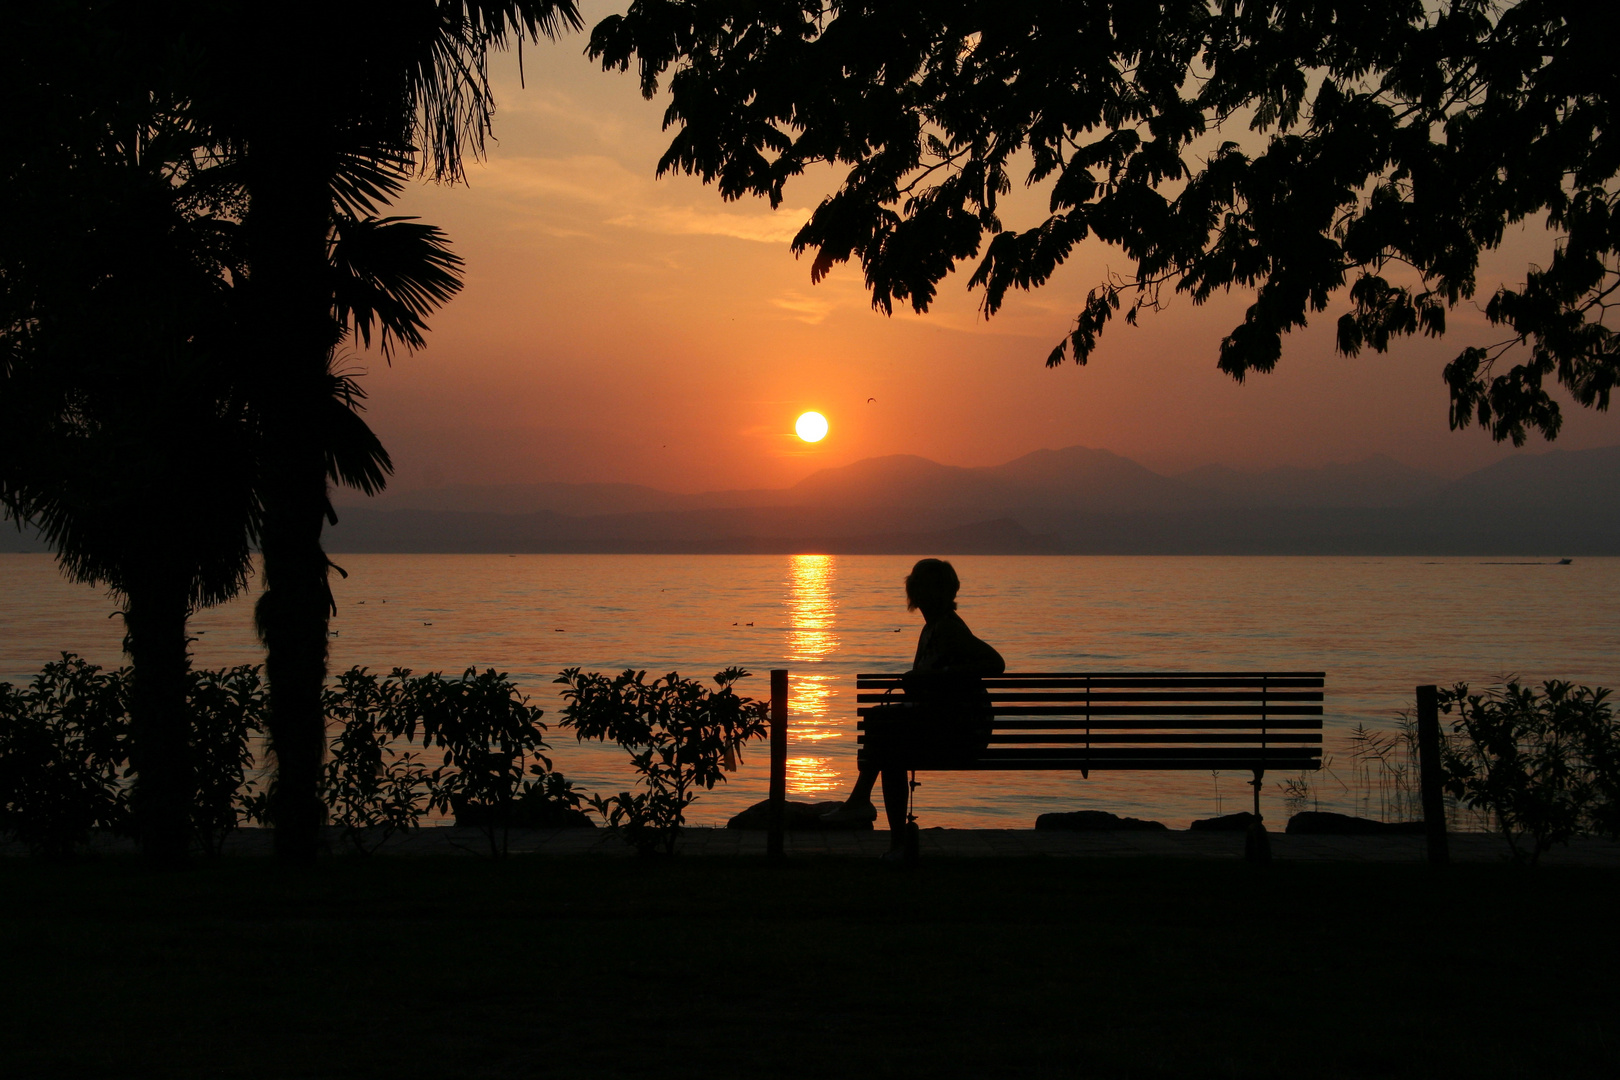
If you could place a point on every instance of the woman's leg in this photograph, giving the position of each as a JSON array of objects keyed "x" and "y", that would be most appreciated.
[
  {"x": 865, "y": 780},
  {"x": 858, "y": 807},
  {"x": 896, "y": 794}
]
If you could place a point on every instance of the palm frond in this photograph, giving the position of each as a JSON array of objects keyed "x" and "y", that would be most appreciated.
[
  {"x": 366, "y": 177},
  {"x": 390, "y": 274},
  {"x": 450, "y": 77},
  {"x": 355, "y": 457}
]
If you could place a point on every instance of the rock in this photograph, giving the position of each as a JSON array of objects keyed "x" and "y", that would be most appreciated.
[
  {"x": 1238, "y": 822},
  {"x": 797, "y": 817},
  {"x": 1322, "y": 823},
  {"x": 1096, "y": 821}
]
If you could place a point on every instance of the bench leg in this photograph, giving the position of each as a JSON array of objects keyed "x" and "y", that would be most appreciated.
[
  {"x": 1257, "y": 845},
  {"x": 913, "y": 838}
]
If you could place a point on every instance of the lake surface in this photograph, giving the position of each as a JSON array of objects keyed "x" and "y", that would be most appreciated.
[{"x": 1377, "y": 626}]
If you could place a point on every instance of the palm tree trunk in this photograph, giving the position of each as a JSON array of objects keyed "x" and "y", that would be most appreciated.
[
  {"x": 287, "y": 222},
  {"x": 160, "y": 737}
]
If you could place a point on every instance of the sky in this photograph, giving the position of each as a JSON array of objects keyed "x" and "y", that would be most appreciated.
[{"x": 619, "y": 327}]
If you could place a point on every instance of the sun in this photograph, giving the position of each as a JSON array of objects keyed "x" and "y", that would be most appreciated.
[{"x": 812, "y": 427}]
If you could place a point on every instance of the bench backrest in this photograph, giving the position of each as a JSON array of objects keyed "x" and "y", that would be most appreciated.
[{"x": 1143, "y": 720}]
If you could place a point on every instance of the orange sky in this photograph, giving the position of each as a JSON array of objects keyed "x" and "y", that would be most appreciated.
[{"x": 617, "y": 327}]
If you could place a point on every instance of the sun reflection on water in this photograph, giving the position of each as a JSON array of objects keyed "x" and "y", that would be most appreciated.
[
  {"x": 812, "y": 775},
  {"x": 812, "y": 640}
]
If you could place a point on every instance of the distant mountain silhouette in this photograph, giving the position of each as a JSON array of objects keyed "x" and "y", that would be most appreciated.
[
  {"x": 1567, "y": 481},
  {"x": 1374, "y": 481},
  {"x": 1072, "y": 500}
]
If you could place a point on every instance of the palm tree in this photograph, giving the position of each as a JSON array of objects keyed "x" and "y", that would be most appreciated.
[
  {"x": 319, "y": 102},
  {"x": 123, "y": 440},
  {"x": 127, "y": 431}
]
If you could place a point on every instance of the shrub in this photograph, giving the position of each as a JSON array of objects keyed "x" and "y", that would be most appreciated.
[
  {"x": 227, "y": 711},
  {"x": 681, "y": 736},
  {"x": 492, "y": 737},
  {"x": 372, "y": 789},
  {"x": 63, "y": 739},
  {"x": 1534, "y": 761}
]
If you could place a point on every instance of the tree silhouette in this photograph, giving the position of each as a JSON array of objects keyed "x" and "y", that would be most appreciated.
[
  {"x": 130, "y": 430},
  {"x": 124, "y": 440},
  {"x": 321, "y": 103},
  {"x": 1294, "y": 148}
]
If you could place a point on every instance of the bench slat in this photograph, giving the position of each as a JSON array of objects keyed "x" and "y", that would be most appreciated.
[
  {"x": 1138, "y": 765},
  {"x": 1148, "y": 753},
  {"x": 1146, "y": 710},
  {"x": 1278, "y": 726},
  {"x": 1080, "y": 724},
  {"x": 1118, "y": 683},
  {"x": 1098, "y": 739},
  {"x": 995, "y": 696},
  {"x": 1250, "y": 676}
]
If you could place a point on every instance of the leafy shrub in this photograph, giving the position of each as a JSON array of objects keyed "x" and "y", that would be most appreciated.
[
  {"x": 493, "y": 739},
  {"x": 1542, "y": 764},
  {"x": 681, "y": 736},
  {"x": 548, "y": 802},
  {"x": 1599, "y": 738},
  {"x": 228, "y": 709},
  {"x": 63, "y": 739},
  {"x": 372, "y": 789}
]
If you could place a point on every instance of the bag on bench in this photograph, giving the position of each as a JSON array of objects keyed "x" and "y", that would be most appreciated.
[{"x": 943, "y": 723}]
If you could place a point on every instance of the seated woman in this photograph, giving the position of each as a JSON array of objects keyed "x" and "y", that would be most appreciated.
[{"x": 946, "y": 714}]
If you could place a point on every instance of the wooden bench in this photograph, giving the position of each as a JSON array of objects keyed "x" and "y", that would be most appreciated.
[{"x": 1129, "y": 721}]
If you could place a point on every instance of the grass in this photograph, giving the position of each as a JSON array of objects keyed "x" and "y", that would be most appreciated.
[{"x": 709, "y": 968}]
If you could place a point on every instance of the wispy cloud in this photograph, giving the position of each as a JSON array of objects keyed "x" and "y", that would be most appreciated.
[
  {"x": 625, "y": 200},
  {"x": 806, "y": 309}
]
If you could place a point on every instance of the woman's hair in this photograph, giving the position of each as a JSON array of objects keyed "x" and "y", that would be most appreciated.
[{"x": 932, "y": 582}]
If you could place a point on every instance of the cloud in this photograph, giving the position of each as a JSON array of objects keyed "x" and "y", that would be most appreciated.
[
  {"x": 626, "y": 200},
  {"x": 806, "y": 309},
  {"x": 778, "y": 228}
]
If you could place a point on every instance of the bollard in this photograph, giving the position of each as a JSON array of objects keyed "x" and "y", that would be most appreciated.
[
  {"x": 777, "y": 813},
  {"x": 1434, "y": 803}
]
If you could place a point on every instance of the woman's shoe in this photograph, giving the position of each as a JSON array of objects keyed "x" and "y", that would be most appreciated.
[{"x": 851, "y": 812}]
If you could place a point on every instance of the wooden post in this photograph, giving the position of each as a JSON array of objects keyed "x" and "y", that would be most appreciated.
[
  {"x": 1434, "y": 803},
  {"x": 778, "y": 796}
]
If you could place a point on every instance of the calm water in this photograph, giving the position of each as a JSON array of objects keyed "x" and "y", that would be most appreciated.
[{"x": 1378, "y": 627}]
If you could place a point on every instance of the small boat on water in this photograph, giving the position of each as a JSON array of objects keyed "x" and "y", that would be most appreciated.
[{"x": 1565, "y": 562}]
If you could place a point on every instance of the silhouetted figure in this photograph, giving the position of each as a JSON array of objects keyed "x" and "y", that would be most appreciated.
[{"x": 945, "y": 716}]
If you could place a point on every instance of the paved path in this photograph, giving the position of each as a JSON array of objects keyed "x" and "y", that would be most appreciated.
[
  {"x": 947, "y": 843},
  {"x": 989, "y": 843}
]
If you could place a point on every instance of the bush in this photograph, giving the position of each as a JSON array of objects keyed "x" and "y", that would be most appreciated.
[
  {"x": 1542, "y": 764},
  {"x": 681, "y": 736},
  {"x": 492, "y": 737},
  {"x": 373, "y": 790},
  {"x": 549, "y": 802},
  {"x": 63, "y": 739},
  {"x": 228, "y": 709}
]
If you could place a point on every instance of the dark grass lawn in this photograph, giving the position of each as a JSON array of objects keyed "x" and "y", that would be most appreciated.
[{"x": 455, "y": 967}]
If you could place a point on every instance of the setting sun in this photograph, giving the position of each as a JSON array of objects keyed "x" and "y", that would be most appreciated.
[{"x": 812, "y": 427}]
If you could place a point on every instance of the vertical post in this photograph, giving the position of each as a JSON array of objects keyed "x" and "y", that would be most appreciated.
[
  {"x": 778, "y": 809},
  {"x": 1434, "y": 803},
  {"x": 1256, "y": 844}
]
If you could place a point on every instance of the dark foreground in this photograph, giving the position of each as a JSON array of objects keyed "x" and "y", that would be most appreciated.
[{"x": 590, "y": 967}]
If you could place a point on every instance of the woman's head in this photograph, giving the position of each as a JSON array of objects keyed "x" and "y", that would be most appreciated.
[{"x": 932, "y": 585}]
